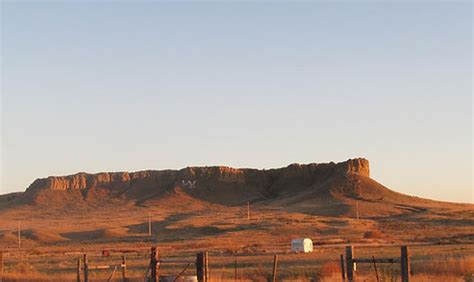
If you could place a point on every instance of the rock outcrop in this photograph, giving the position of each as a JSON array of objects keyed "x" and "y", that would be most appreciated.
[
  {"x": 356, "y": 166},
  {"x": 217, "y": 184}
]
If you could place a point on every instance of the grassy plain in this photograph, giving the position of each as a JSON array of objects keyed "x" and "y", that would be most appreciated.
[{"x": 440, "y": 239}]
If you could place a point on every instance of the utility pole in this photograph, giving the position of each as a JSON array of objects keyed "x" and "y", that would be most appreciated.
[
  {"x": 19, "y": 234},
  {"x": 248, "y": 210},
  {"x": 357, "y": 210},
  {"x": 149, "y": 224}
]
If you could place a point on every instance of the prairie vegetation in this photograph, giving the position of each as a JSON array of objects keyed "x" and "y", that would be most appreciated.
[{"x": 428, "y": 263}]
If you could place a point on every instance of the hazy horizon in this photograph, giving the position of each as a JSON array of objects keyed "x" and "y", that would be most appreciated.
[{"x": 114, "y": 86}]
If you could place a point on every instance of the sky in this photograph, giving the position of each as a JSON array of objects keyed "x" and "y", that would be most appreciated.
[{"x": 120, "y": 86}]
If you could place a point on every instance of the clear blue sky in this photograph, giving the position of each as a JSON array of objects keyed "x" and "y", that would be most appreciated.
[{"x": 116, "y": 86}]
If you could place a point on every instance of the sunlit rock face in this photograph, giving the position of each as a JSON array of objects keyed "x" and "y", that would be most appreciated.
[{"x": 216, "y": 182}]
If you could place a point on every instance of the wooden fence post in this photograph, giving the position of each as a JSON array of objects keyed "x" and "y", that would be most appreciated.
[
  {"x": 1, "y": 266},
  {"x": 405, "y": 264},
  {"x": 78, "y": 270},
  {"x": 153, "y": 263},
  {"x": 343, "y": 272},
  {"x": 275, "y": 267},
  {"x": 200, "y": 266},
  {"x": 124, "y": 268},
  {"x": 206, "y": 266},
  {"x": 86, "y": 269},
  {"x": 350, "y": 263}
]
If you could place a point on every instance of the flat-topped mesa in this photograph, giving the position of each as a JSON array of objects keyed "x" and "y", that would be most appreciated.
[{"x": 218, "y": 174}]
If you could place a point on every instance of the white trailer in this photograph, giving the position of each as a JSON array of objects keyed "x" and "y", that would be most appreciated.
[{"x": 303, "y": 245}]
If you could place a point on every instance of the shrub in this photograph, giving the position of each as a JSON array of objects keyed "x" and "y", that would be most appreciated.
[{"x": 373, "y": 234}]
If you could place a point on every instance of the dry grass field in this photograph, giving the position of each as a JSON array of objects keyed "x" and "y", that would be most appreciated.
[
  {"x": 49, "y": 249},
  {"x": 429, "y": 263}
]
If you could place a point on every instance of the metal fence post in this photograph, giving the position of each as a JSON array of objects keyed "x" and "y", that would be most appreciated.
[
  {"x": 275, "y": 267},
  {"x": 350, "y": 263},
  {"x": 343, "y": 272}
]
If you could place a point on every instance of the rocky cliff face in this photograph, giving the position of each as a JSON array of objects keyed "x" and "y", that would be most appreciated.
[
  {"x": 356, "y": 166},
  {"x": 82, "y": 181},
  {"x": 215, "y": 181}
]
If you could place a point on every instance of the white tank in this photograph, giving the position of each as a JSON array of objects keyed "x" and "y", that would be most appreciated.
[{"x": 303, "y": 245}]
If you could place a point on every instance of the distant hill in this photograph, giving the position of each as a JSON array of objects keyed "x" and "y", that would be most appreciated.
[{"x": 325, "y": 189}]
